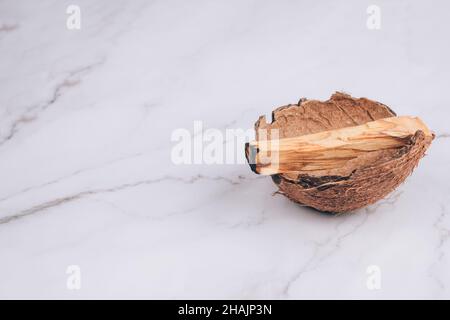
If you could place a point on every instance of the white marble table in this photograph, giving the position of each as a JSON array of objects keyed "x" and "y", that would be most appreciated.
[{"x": 85, "y": 150}]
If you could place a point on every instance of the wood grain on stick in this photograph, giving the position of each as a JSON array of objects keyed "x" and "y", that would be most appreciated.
[{"x": 331, "y": 149}]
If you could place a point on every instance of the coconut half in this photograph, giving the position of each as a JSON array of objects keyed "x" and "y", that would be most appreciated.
[{"x": 356, "y": 183}]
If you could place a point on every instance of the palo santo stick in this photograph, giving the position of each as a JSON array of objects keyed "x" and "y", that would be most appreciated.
[{"x": 331, "y": 149}]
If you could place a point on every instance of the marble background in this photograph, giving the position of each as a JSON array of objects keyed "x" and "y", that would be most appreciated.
[{"x": 86, "y": 118}]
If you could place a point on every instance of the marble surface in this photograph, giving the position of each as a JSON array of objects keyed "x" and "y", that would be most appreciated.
[{"x": 85, "y": 149}]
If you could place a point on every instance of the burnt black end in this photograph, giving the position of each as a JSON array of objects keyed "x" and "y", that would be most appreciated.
[{"x": 250, "y": 154}]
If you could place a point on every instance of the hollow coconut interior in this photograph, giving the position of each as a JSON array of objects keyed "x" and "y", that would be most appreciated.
[{"x": 313, "y": 116}]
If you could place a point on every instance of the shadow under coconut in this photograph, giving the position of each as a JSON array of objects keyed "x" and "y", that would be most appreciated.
[{"x": 327, "y": 214}]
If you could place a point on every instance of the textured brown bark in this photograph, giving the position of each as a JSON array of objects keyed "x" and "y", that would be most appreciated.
[{"x": 358, "y": 182}]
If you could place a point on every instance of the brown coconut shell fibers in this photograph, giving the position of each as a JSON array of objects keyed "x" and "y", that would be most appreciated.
[{"x": 361, "y": 181}]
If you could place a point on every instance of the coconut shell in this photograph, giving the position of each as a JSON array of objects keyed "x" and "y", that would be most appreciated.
[{"x": 361, "y": 181}]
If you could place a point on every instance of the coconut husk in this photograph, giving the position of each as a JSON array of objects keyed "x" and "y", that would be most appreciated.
[{"x": 358, "y": 182}]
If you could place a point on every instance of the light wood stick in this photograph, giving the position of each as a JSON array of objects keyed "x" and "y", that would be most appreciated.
[{"x": 331, "y": 149}]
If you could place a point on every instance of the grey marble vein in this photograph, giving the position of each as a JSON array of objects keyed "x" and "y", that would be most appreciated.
[
  {"x": 63, "y": 200},
  {"x": 72, "y": 79}
]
